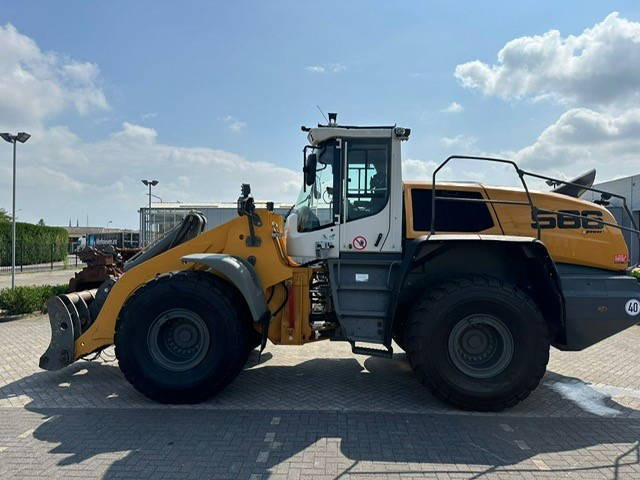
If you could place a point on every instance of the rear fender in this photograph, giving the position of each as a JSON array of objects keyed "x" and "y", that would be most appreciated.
[{"x": 449, "y": 255}]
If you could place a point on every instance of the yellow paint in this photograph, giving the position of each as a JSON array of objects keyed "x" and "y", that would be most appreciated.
[
  {"x": 291, "y": 324},
  {"x": 591, "y": 248},
  {"x": 230, "y": 238}
]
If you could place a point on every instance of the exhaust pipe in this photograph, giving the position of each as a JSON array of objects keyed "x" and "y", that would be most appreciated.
[{"x": 69, "y": 316}]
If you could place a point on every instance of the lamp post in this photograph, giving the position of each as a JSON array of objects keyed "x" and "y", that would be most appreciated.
[
  {"x": 20, "y": 137},
  {"x": 149, "y": 183}
]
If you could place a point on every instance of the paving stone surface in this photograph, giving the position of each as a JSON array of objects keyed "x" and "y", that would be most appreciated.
[{"x": 316, "y": 412}]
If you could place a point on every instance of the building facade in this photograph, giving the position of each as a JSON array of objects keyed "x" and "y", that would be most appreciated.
[
  {"x": 162, "y": 217},
  {"x": 96, "y": 236},
  {"x": 629, "y": 188}
]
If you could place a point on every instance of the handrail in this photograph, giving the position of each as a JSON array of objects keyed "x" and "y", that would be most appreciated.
[
  {"x": 534, "y": 209},
  {"x": 487, "y": 159}
]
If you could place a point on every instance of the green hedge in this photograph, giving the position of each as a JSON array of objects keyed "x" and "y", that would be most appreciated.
[
  {"x": 28, "y": 299},
  {"x": 35, "y": 244}
]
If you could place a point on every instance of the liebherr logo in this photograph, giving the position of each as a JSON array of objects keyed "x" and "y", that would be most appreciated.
[{"x": 558, "y": 220}]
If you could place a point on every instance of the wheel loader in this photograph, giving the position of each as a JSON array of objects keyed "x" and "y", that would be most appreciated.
[{"x": 473, "y": 282}]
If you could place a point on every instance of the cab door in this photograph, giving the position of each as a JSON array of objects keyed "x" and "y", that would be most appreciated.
[{"x": 367, "y": 213}]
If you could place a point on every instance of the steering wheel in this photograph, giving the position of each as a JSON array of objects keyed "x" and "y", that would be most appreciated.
[{"x": 327, "y": 197}]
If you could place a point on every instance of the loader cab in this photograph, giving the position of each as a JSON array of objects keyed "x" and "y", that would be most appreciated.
[{"x": 351, "y": 198}]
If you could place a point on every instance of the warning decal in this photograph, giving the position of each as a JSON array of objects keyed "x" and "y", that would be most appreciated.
[{"x": 359, "y": 243}]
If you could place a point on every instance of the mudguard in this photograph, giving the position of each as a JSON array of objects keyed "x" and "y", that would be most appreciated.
[{"x": 241, "y": 274}]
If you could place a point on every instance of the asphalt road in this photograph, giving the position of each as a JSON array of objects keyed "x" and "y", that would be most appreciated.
[{"x": 315, "y": 412}]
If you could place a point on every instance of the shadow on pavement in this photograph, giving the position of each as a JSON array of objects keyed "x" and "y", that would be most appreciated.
[{"x": 230, "y": 438}]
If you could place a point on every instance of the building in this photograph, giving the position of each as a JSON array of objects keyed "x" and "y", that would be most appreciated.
[
  {"x": 162, "y": 217},
  {"x": 629, "y": 188},
  {"x": 95, "y": 236}
]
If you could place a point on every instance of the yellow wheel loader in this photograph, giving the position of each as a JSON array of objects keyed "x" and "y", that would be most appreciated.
[{"x": 473, "y": 282}]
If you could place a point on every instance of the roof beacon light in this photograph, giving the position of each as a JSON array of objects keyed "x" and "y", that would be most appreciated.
[{"x": 333, "y": 118}]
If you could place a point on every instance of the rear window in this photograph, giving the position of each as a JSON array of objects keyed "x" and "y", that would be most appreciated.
[{"x": 451, "y": 215}]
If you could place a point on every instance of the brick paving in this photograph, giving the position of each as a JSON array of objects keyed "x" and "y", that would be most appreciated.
[{"x": 316, "y": 412}]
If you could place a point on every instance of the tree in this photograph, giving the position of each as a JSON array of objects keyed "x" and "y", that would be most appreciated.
[
  {"x": 41, "y": 222},
  {"x": 4, "y": 216}
]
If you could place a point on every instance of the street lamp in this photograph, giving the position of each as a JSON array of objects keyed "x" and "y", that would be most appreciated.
[
  {"x": 149, "y": 183},
  {"x": 20, "y": 137}
]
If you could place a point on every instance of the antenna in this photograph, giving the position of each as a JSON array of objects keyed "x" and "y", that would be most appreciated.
[{"x": 325, "y": 117}]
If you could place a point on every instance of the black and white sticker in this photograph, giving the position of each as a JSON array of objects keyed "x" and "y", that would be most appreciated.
[{"x": 632, "y": 307}]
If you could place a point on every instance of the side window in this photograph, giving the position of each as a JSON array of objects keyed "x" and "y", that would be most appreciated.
[
  {"x": 451, "y": 215},
  {"x": 367, "y": 179}
]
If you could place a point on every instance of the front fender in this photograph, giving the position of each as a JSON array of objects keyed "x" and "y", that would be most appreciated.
[{"x": 240, "y": 273}]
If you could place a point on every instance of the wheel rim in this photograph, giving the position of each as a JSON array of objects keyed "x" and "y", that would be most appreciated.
[
  {"x": 178, "y": 340},
  {"x": 481, "y": 346}
]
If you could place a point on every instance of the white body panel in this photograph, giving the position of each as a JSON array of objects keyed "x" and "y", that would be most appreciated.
[
  {"x": 358, "y": 235},
  {"x": 303, "y": 244},
  {"x": 387, "y": 222}
]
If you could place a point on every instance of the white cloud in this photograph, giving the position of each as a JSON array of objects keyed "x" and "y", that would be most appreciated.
[
  {"x": 35, "y": 85},
  {"x": 596, "y": 73},
  {"x": 598, "y": 67},
  {"x": 414, "y": 169},
  {"x": 329, "y": 68},
  {"x": 60, "y": 175},
  {"x": 461, "y": 170},
  {"x": 582, "y": 138},
  {"x": 453, "y": 107},
  {"x": 136, "y": 134},
  {"x": 149, "y": 115},
  {"x": 234, "y": 124},
  {"x": 459, "y": 141}
]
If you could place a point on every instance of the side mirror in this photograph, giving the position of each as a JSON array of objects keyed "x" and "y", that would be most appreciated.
[{"x": 310, "y": 165}]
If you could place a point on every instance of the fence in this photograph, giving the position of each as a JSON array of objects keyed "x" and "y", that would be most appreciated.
[{"x": 32, "y": 256}]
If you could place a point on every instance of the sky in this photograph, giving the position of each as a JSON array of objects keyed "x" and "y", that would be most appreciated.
[{"x": 204, "y": 96}]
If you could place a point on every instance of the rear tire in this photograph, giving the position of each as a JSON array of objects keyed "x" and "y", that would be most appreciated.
[
  {"x": 179, "y": 338},
  {"x": 478, "y": 343}
]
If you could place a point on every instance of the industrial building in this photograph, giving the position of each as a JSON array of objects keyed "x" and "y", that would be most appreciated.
[
  {"x": 162, "y": 217},
  {"x": 629, "y": 188},
  {"x": 95, "y": 236}
]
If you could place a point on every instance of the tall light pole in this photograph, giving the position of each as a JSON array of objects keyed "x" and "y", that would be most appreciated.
[
  {"x": 20, "y": 137},
  {"x": 149, "y": 183}
]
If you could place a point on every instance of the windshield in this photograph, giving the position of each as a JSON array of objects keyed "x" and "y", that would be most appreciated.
[{"x": 314, "y": 206}]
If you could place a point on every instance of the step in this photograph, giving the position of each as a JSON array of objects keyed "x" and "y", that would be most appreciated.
[
  {"x": 374, "y": 352},
  {"x": 362, "y": 313},
  {"x": 363, "y": 288}
]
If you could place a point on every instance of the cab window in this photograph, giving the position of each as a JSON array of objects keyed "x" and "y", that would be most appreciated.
[
  {"x": 367, "y": 182},
  {"x": 451, "y": 215},
  {"x": 315, "y": 206}
]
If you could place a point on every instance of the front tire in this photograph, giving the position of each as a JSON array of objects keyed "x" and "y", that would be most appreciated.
[
  {"x": 179, "y": 338},
  {"x": 479, "y": 343}
]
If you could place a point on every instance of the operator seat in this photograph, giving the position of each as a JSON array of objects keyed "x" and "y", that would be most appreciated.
[
  {"x": 192, "y": 225},
  {"x": 378, "y": 185}
]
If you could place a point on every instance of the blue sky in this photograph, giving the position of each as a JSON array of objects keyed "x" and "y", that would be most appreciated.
[{"x": 218, "y": 84}]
